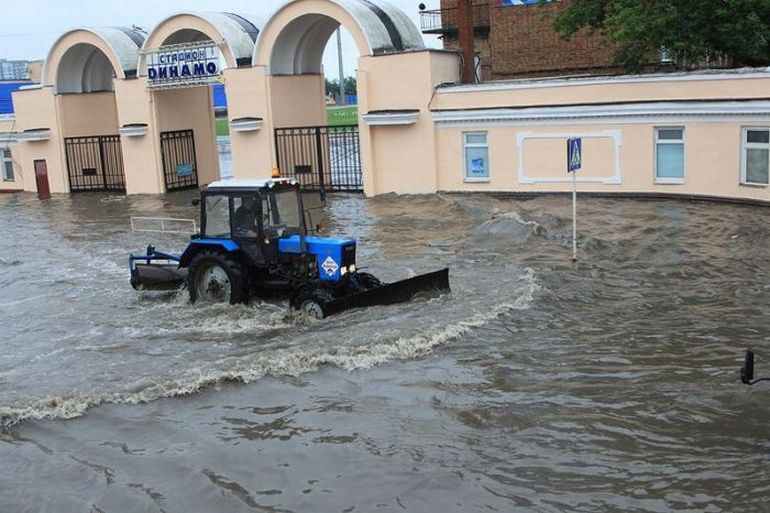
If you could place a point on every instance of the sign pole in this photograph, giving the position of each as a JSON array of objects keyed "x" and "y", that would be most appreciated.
[
  {"x": 574, "y": 162},
  {"x": 574, "y": 216}
]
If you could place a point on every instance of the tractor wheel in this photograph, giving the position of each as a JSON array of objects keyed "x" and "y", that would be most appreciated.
[
  {"x": 217, "y": 278},
  {"x": 311, "y": 305}
]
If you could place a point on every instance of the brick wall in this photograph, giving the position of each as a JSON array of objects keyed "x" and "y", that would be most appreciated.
[{"x": 522, "y": 43}]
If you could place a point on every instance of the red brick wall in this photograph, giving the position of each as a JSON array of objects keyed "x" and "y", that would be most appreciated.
[{"x": 522, "y": 43}]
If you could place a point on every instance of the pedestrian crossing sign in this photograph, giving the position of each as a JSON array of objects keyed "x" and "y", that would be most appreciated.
[{"x": 574, "y": 154}]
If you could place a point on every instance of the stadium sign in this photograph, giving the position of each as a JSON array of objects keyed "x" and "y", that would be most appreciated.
[{"x": 188, "y": 65}]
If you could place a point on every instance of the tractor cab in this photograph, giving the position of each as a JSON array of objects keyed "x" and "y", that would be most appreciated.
[{"x": 255, "y": 214}]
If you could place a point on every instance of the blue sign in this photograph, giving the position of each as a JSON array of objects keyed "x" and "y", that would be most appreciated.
[
  {"x": 574, "y": 154},
  {"x": 478, "y": 167},
  {"x": 183, "y": 170}
]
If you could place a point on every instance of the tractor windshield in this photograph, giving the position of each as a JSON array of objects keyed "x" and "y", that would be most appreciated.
[{"x": 281, "y": 214}]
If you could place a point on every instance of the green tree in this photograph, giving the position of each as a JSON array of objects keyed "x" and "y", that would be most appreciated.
[
  {"x": 333, "y": 86},
  {"x": 693, "y": 32}
]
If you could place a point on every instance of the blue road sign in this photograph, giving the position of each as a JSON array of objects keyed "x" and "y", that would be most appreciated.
[{"x": 574, "y": 154}]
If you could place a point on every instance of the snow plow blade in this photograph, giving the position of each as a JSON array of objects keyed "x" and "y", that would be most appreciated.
[{"x": 402, "y": 291}]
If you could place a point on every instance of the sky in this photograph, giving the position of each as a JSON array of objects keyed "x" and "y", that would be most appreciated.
[{"x": 28, "y": 28}]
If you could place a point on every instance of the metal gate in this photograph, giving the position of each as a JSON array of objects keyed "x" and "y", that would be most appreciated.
[
  {"x": 321, "y": 157},
  {"x": 180, "y": 169},
  {"x": 95, "y": 163}
]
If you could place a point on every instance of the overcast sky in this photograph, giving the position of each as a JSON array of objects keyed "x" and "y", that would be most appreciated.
[{"x": 28, "y": 28}]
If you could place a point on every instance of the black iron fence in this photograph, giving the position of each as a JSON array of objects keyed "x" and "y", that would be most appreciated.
[
  {"x": 321, "y": 157},
  {"x": 95, "y": 163},
  {"x": 180, "y": 169}
]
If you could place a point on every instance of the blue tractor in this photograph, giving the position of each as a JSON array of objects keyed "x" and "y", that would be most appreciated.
[{"x": 254, "y": 241}]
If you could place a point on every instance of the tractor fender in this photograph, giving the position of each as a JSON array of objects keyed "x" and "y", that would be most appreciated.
[{"x": 224, "y": 245}]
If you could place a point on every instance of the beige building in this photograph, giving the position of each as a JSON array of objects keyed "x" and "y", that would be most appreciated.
[{"x": 127, "y": 111}]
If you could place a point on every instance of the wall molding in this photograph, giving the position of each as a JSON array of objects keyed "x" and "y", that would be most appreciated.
[
  {"x": 602, "y": 114},
  {"x": 543, "y": 83},
  {"x": 614, "y": 135}
]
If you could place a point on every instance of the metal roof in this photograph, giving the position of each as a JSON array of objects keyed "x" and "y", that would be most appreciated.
[{"x": 249, "y": 183}]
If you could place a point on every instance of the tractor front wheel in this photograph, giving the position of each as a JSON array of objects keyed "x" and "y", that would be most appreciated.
[
  {"x": 215, "y": 277},
  {"x": 311, "y": 304}
]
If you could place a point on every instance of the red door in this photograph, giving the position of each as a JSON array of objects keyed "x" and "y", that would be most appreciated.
[{"x": 41, "y": 177}]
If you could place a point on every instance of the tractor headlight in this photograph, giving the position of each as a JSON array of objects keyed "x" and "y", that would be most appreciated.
[
  {"x": 352, "y": 268},
  {"x": 343, "y": 271}
]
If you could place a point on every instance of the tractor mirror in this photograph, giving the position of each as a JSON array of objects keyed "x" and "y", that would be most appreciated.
[
  {"x": 747, "y": 371},
  {"x": 196, "y": 201}
]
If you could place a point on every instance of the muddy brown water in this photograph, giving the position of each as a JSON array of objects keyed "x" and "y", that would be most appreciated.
[{"x": 536, "y": 385}]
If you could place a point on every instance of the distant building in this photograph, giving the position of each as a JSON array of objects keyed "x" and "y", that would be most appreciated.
[
  {"x": 13, "y": 70},
  {"x": 516, "y": 39}
]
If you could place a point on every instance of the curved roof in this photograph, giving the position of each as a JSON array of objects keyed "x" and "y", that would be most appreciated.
[
  {"x": 237, "y": 31},
  {"x": 120, "y": 44},
  {"x": 298, "y": 45}
]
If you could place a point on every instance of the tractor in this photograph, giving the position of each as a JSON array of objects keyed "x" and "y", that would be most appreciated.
[{"x": 254, "y": 241}]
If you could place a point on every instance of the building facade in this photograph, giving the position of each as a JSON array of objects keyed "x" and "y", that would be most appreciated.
[
  {"x": 14, "y": 70},
  {"x": 132, "y": 112}
]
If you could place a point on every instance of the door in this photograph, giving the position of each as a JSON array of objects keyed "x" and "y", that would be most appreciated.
[
  {"x": 180, "y": 169},
  {"x": 321, "y": 157},
  {"x": 95, "y": 163},
  {"x": 41, "y": 178}
]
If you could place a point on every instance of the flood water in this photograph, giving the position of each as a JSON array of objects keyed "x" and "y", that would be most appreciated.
[{"x": 536, "y": 385}]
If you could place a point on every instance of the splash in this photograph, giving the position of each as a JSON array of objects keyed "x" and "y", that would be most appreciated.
[{"x": 293, "y": 361}]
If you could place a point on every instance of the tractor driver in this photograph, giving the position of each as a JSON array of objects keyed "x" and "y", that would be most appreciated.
[{"x": 245, "y": 217}]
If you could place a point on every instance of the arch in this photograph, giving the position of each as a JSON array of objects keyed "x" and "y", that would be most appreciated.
[
  {"x": 86, "y": 60},
  {"x": 236, "y": 33},
  {"x": 294, "y": 38}
]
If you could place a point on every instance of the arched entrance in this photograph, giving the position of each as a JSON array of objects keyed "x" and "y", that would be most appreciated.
[
  {"x": 82, "y": 67},
  {"x": 290, "y": 49},
  {"x": 183, "y": 58}
]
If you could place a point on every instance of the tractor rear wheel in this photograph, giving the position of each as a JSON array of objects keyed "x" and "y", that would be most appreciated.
[{"x": 215, "y": 277}]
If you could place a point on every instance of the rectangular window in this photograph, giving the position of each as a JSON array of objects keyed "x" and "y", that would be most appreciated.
[
  {"x": 669, "y": 155},
  {"x": 755, "y": 156},
  {"x": 217, "y": 216},
  {"x": 476, "y": 156},
  {"x": 7, "y": 166}
]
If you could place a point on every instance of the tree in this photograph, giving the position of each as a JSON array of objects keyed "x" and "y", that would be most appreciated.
[
  {"x": 333, "y": 86},
  {"x": 693, "y": 32}
]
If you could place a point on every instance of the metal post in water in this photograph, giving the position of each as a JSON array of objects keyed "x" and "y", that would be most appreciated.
[
  {"x": 574, "y": 162},
  {"x": 574, "y": 216}
]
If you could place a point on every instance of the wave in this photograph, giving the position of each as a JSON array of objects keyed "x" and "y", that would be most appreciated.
[{"x": 283, "y": 362}]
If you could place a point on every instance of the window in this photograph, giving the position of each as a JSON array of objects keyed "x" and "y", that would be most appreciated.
[
  {"x": 669, "y": 155},
  {"x": 755, "y": 156},
  {"x": 476, "y": 154},
  {"x": 217, "y": 216},
  {"x": 7, "y": 166}
]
